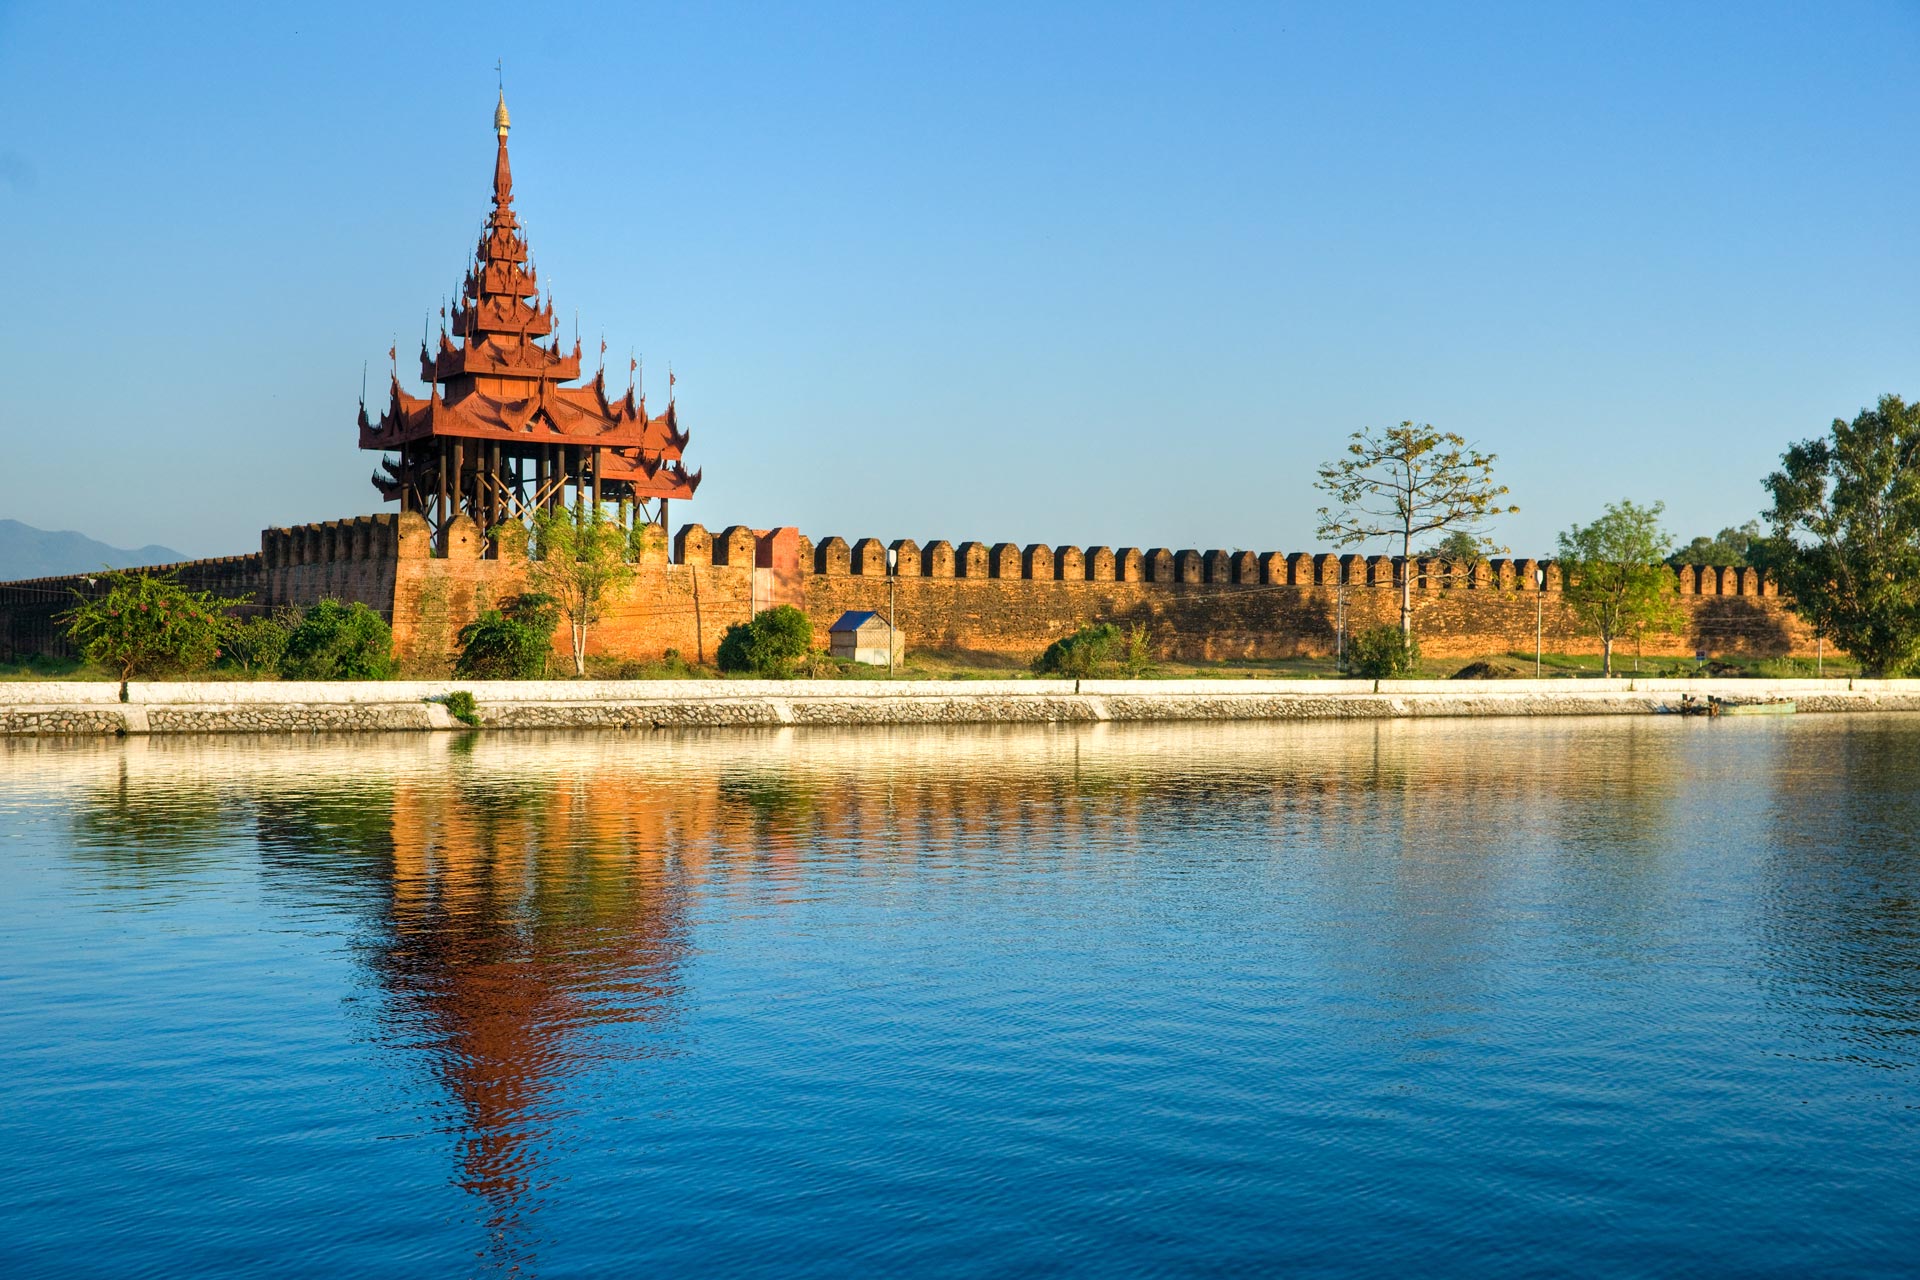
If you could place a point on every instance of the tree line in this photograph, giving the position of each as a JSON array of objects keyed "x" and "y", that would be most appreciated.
[{"x": 1841, "y": 537}]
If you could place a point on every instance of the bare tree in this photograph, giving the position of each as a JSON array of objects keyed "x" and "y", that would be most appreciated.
[{"x": 1410, "y": 482}]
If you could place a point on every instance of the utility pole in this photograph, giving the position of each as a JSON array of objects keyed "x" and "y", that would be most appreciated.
[
  {"x": 893, "y": 559},
  {"x": 1539, "y": 615}
]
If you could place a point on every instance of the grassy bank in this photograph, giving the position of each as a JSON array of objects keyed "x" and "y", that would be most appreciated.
[{"x": 977, "y": 665}]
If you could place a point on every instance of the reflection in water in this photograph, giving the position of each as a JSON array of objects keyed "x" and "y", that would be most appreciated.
[
  {"x": 517, "y": 914},
  {"x": 1354, "y": 921}
]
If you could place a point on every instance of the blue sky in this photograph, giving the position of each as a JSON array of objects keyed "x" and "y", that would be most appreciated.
[{"x": 1115, "y": 274}]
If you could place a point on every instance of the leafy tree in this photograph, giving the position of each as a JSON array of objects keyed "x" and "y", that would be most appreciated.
[
  {"x": 769, "y": 645},
  {"x": 1459, "y": 547},
  {"x": 578, "y": 558},
  {"x": 1382, "y": 653},
  {"x": 255, "y": 644},
  {"x": 147, "y": 624},
  {"x": 1613, "y": 578},
  {"x": 510, "y": 643},
  {"x": 1410, "y": 482},
  {"x": 1079, "y": 655},
  {"x": 1728, "y": 548},
  {"x": 335, "y": 640},
  {"x": 1845, "y": 544}
]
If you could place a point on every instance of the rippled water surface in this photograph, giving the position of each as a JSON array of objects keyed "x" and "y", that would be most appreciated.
[{"x": 1479, "y": 999}]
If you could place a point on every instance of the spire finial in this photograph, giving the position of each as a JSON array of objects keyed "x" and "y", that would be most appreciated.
[{"x": 501, "y": 122}]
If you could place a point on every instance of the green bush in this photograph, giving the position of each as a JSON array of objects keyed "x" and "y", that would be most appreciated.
[
  {"x": 147, "y": 624},
  {"x": 1382, "y": 653},
  {"x": 1136, "y": 659},
  {"x": 510, "y": 643},
  {"x": 256, "y": 644},
  {"x": 1079, "y": 655},
  {"x": 338, "y": 641},
  {"x": 768, "y": 646},
  {"x": 461, "y": 707}
]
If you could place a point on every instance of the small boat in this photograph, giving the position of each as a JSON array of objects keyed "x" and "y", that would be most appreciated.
[{"x": 1750, "y": 706}]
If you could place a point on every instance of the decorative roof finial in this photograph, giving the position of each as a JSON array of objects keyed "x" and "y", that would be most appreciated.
[{"x": 501, "y": 123}]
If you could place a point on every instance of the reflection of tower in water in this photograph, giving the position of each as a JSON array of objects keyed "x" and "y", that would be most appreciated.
[{"x": 522, "y": 923}]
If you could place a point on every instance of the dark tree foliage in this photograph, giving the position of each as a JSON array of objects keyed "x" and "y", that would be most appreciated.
[
  {"x": 509, "y": 643},
  {"x": 768, "y": 646},
  {"x": 1079, "y": 655},
  {"x": 1845, "y": 543},
  {"x": 338, "y": 641},
  {"x": 1382, "y": 653},
  {"x": 1726, "y": 549}
]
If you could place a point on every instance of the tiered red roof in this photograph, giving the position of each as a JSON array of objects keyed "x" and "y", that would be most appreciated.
[{"x": 492, "y": 380}]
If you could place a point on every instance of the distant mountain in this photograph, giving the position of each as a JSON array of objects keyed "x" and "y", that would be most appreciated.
[{"x": 27, "y": 552}]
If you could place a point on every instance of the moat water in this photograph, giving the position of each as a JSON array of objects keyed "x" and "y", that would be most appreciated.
[{"x": 1499, "y": 998}]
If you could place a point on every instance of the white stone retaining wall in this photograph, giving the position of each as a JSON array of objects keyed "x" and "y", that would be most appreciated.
[{"x": 90, "y": 708}]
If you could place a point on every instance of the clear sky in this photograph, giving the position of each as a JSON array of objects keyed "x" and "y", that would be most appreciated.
[{"x": 1095, "y": 273}]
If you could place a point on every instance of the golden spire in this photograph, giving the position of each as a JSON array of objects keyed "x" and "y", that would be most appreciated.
[{"x": 500, "y": 121}]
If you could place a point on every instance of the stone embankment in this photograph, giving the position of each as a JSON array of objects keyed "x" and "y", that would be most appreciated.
[{"x": 74, "y": 708}]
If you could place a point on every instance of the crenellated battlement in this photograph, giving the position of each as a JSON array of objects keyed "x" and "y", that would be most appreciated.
[{"x": 1038, "y": 562}]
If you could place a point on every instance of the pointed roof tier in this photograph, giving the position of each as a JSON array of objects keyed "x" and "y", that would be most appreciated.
[{"x": 497, "y": 374}]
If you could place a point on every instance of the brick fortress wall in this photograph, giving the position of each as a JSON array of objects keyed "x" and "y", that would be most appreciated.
[
  {"x": 1006, "y": 598},
  {"x": 999, "y": 598}
]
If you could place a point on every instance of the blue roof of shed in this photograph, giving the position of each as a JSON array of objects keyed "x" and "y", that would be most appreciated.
[{"x": 854, "y": 619}]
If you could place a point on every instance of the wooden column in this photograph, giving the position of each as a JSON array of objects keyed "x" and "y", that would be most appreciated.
[
  {"x": 459, "y": 476},
  {"x": 596, "y": 481}
]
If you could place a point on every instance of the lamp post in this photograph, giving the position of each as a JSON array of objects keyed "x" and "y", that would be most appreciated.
[
  {"x": 893, "y": 559},
  {"x": 1539, "y": 614}
]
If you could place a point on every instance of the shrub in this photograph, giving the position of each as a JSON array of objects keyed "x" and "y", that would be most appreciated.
[
  {"x": 147, "y": 624},
  {"x": 1137, "y": 659},
  {"x": 338, "y": 641},
  {"x": 769, "y": 645},
  {"x": 510, "y": 643},
  {"x": 1382, "y": 653},
  {"x": 461, "y": 707},
  {"x": 1077, "y": 656},
  {"x": 256, "y": 644}
]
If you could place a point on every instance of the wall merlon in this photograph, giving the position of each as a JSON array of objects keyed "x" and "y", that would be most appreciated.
[
  {"x": 736, "y": 546},
  {"x": 832, "y": 556},
  {"x": 868, "y": 558},
  {"x": 693, "y": 545},
  {"x": 938, "y": 560},
  {"x": 1069, "y": 564}
]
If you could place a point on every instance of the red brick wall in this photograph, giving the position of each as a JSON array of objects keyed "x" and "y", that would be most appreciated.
[{"x": 996, "y": 597}]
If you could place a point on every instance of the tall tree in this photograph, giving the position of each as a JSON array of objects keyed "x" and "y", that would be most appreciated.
[
  {"x": 147, "y": 624},
  {"x": 1728, "y": 548},
  {"x": 1613, "y": 577},
  {"x": 577, "y": 556},
  {"x": 1410, "y": 482},
  {"x": 1845, "y": 544}
]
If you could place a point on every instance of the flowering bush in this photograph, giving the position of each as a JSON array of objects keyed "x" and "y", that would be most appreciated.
[{"x": 148, "y": 625}]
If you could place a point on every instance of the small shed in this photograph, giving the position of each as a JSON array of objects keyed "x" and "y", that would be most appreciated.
[{"x": 863, "y": 635}]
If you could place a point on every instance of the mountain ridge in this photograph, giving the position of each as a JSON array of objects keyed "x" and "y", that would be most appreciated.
[{"x": 27, "y": 552}]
